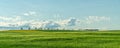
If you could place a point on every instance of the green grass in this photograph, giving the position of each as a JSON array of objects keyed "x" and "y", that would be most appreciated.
[{"x": 59, "y": 39}]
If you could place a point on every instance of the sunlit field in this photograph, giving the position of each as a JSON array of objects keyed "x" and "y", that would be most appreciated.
[{"x": 59, "y": 39}]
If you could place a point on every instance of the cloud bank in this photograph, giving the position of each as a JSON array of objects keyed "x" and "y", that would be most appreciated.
[{"x": 71, "y": 22}]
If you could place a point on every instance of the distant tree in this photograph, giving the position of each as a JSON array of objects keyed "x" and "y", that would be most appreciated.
[
  {"x": 29, "y": 28},
  {"x": 63, "y": 28},
  {"x": 35, "y": 28},
  {"x": 21, "y": 28},
  {"x": 57, "y": 29},
  {"x": 40, "y": 28},
  {"x": 47, "y": 28}
]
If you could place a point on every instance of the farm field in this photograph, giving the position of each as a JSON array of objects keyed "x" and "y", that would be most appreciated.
[{"x": 59, "y": 39}]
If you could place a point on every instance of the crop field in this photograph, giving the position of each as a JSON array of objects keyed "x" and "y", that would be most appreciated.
[{"x": 59, "y": 39}]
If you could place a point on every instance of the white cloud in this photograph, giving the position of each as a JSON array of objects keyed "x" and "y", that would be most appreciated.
[
  {"x": 68, "y": 22},
  {"x": 50, "y": 24},
  {"x": 93, "y": 19},
  {"x": 26, "y": 14},
  {"x": 5, "y": 18},
  {"x": 4, "y": 24},
  {"x": 9, "y": 21},
  {"x": 38, "y": 24},
  {"x": 30, "y": 13},
  {"x": 16, "y": 18}
]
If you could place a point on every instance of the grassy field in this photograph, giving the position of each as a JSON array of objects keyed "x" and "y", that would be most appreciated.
[{"x": 59, "y": 39}]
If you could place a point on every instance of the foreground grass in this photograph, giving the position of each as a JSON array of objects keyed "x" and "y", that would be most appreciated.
[{"x": 59, "y": 39}]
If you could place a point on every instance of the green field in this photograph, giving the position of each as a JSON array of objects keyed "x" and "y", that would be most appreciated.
[{"x": 59, "y": 39}]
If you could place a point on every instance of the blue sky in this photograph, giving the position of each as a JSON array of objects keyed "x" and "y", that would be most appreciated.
[{"x": 106, "y": 12}]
